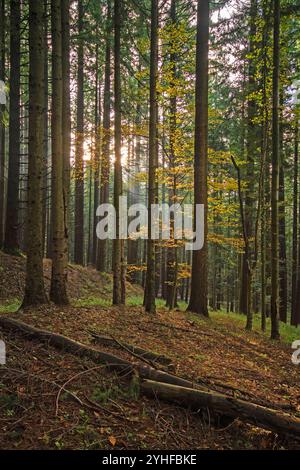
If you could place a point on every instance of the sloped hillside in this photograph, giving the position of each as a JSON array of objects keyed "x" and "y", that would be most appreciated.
[{"x": 83, "y": 282}]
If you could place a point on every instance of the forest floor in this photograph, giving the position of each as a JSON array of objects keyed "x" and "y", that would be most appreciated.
[{"x": 38, "y": 410}]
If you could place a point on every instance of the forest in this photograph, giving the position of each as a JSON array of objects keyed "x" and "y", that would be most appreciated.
[{"x": 149, "y": 224}]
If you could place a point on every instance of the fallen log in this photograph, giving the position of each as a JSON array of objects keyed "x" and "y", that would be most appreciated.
[
  {"x": 146, "y": 372},
  {"x": 143, "y": 353},
  {"x": 257, "y": 415},
  {"x": 64, "y": 343},
  {"x": 168, "y": 387},
  {"x": 111, "y": 361}
]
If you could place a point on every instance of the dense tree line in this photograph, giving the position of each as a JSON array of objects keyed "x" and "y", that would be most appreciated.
[{"x": 164, "y": 102}]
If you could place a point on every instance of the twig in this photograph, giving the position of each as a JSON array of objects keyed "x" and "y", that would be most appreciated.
[
  {"x": 70, "y": 380},
  {"x": 51, "y": 382},
  {"x": 150, "y": 363}
]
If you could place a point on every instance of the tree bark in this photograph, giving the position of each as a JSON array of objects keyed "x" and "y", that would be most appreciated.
[
  {"x": 46, "y": 129},
  {"x": 66, "y": 115},
  {"x": 282, "y": 250},
  {"x": 96, "y": 163},
  {"x": 295, "y": 312},
  {"x": 263, "y": 156},
  {"x": 275, "y": 179},
  {"x": 199, "y": 289},
  {"x": 149, "y": 299},
  {"x": 172, "y": 253},
  {"x": 58, "y": 292},
  {"x": 79, "y": 164},
  {"x": 2, "y": 126},
  {"x": 134, "y": 246},
  {"x": 34, "y": 286},
  {"x": 252, "y": 144},
  {"x": 11, "y": 241},
  {"x": 102, "y": 258},
  {"x": 117, "y": 242},
  {"x": 249, "y": 412},
  {"x": 295, "y": 320}
]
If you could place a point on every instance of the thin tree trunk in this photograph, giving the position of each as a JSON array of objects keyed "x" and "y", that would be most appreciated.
[
  {"x": 58, "y": 292},
  {"x": 102, "y": 258},
  {"x": 263, "y": 259},
  {"x": 282, "y": 249},
  {"x": 275, "y": 179},
  {"x": 252, "y": 144},
  {"x": 172, "y": 257},
  {"x": 11, "y": 241},
  {"x": 133, "y": 246},
  {"x": 295, "y": 320},
  {"x": 117, "y": 242},
  {"x": 264, "y": 149},
  {"x": 66, "y": 114},
  {"x": 295, "y": 265},
  {"x": 79, "y": 164},
  {"x": 89, "y": 179},
  {"x": 149, "y": 300},
  {"x": 96, "y": 159}
]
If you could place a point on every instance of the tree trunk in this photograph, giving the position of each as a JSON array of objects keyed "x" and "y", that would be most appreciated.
[
  {"x": 102, "y": 258},
  {"x": 172, "y": 254},
  {"x": 275, "y": 179},
  {"x": 2, "y": 126},
  {"x": 198, "y": 299},
  {"x": 295, "y": 320},
  {"x": 295, "y": 265},
  {"x": 58, "y": 292},
  {"x": 96, "y": 161},
  {"x": 263, "y": 157},
  {"x": 133, "y": 246},
  {"x": 149, "y": 299},
  {"x": 117, "y": 242},
  {"x": 66, "y": 114},
  {"x": 79, "y": 164},
  {"x": 263, "y": 259},
  {"x": 282, "y": 250},
  {"x": 46, "y": 125},
  {"x": 11, "y": 241},
  {"x": 252, "y": 144},
  {"x": 34, "y": 287}
]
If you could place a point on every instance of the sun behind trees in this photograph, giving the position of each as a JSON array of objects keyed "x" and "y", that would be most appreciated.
[{"x": 167, "y": 103}]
